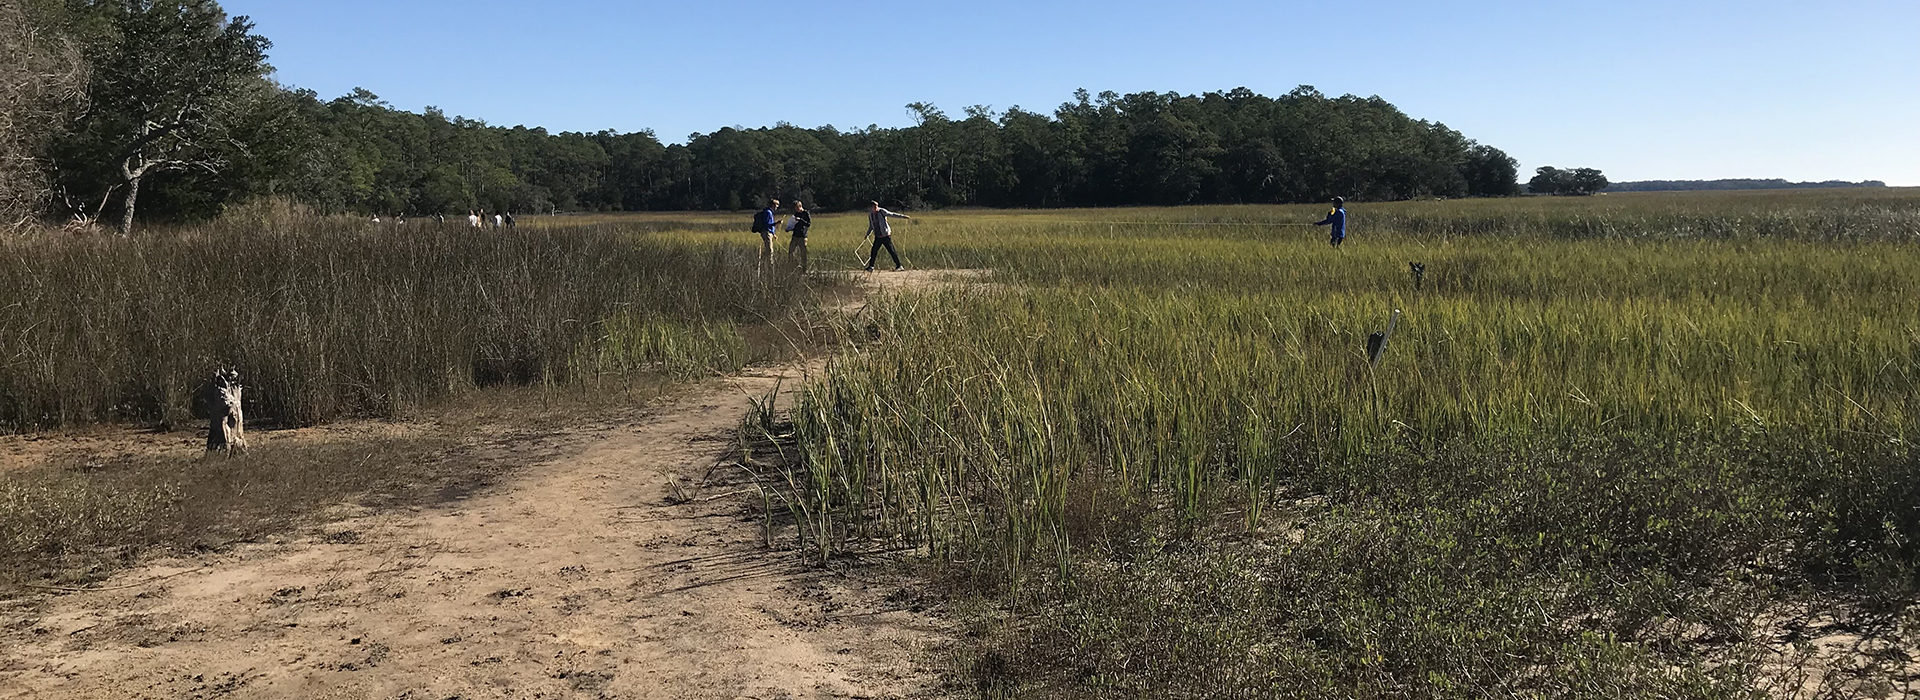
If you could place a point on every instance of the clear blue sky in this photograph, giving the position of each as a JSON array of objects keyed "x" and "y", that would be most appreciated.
[{"x": 1680, "y": 89}]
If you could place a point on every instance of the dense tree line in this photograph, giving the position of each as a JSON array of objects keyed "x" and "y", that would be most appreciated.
[
  {"x": 1577, "y": 181},
  {"x": 184, "y": 121},
  {"x": 1735, "y": 184}
]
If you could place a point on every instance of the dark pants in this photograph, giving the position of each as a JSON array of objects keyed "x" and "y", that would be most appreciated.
[
  {"x": 873, "y": 256},
  {"x": 797, "y": 252}
]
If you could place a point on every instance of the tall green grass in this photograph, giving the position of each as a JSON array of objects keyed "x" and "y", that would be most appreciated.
[
  {"x": 332, "y": 317},
  {"x": 1588, "y": 465}
]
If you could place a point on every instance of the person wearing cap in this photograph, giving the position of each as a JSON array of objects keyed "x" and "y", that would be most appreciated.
[{"x": 1338, "y": 220}]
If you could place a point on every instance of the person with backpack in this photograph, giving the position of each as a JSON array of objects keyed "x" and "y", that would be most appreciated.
[
  {"x": 882, "y": 235},
  {"x": 1338, "y": 220},
  {"x": 764, "y": 224},
  {"x": 797, "y": 224}
]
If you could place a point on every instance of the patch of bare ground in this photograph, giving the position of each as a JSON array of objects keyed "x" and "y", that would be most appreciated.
[
  {"x": 1840, "y": 651},
  {"x": 600, "y": 568},
  {"x": 585, "y": 548},
  {"x": 105, "y": 445}
]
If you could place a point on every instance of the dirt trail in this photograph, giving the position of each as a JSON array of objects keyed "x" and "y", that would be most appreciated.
[{"x": 584, "y": 576}]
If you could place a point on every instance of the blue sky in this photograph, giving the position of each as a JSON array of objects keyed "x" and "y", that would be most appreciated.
[{"x": 1682, "y": 89}]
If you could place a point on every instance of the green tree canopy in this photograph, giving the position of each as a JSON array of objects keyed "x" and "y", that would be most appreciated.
[
  {"x": 1579, "y": 181},
  {"x": 179, "y": 89},
  {"x": 170, "y": 78}
]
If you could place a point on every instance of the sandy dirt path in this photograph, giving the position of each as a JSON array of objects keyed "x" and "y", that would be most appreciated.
[{"x": 585, "y": 575}]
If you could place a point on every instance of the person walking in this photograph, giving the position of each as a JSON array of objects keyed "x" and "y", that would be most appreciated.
[
  {"x": 1338, "y": 220},
  {"x": 882, "y": 235},
  {"x": 509, "y": 217},
  {"x": 473, "y": 218},
  {"x": 764, "y": 223},
  {"x": 797, "y": 224}
]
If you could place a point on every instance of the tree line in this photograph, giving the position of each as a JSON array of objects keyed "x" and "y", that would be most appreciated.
[
  {"x": 1733, "y": 184},
  {"x": 1577, "y": 181},
  {"x": 167, "y": 108}
]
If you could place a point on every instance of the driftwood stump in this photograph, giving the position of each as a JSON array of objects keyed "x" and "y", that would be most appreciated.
[{"x": 227, "y": 430}]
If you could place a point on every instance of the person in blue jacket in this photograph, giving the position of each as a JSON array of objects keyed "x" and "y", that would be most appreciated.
[
  {"x": 1338, "y": 220},
  {"x": 763, "y": 224}
]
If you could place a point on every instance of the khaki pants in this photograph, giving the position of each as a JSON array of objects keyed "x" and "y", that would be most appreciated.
[
  {"x": 766, "y": 246},
  {"x": 797, "y": 252}
]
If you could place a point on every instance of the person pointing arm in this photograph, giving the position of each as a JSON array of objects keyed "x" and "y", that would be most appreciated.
[
  {"x": 882, "y": 233},
  {"x": 1338, "y": 220}
]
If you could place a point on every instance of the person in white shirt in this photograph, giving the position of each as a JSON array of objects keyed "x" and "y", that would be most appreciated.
[{"x": 473, "y": 219}]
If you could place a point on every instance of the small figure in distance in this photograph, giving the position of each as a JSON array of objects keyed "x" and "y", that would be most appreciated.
[
  {"x": 764, "y": 224},
  {"x": 473, "y": 218},
  {"x": 440, "y": 219},
  {"x": 376, "y": 218},
  {"x": 882, "y": 235},
  {"x": 797, "y": 224},
  {"x": 497, "y": 221},
  {"x": 509, "y": 217},
  {"x": 1338, "y": 220}
]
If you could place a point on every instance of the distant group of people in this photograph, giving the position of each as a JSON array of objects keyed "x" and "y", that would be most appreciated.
[
  {"x": 479, "y": 219},
  {"x": 767, "y": 223},
  {"x": 475, "y": 219}
]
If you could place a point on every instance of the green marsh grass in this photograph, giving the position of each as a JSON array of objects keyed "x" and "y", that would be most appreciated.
[{"x": 1610, "y": 442}]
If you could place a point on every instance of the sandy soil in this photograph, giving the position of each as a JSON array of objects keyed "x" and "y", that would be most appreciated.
[
  {"x": 614, "y": 568},
  {"x": 109, "y": 444}
]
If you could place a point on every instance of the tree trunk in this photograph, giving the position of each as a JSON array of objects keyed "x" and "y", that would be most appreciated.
[
  {"x": 133, "y": 196},
  {"x": 227, "y": 431}
]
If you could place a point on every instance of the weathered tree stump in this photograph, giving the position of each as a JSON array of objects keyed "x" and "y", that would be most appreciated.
[{"x": 227, "y": 430}]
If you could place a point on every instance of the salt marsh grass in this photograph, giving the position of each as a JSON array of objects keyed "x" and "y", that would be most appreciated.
[
  {"x": 332, "y": 317},
  {"x": 1611, "y": 442}
]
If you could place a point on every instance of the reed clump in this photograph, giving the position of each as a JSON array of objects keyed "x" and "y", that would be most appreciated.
[{"x": 333, "y": 317}]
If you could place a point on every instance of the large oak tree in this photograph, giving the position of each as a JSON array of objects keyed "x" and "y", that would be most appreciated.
[{"x": 170, "y": 78}]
